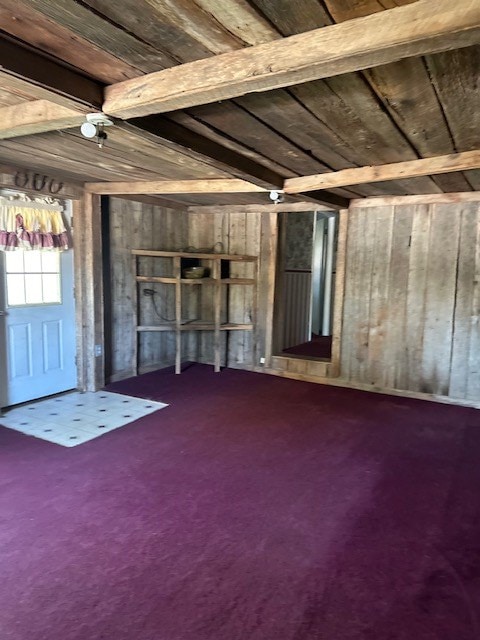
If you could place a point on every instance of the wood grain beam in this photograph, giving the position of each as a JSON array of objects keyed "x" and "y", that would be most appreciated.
[
  {"x": 32, "y": 73},
  {"x": 289, "y": 207},
  {"x": 357, "y": 44},
  {"x": 37, "y": 116},
  {"x": 396, "y": 171},
  {"x": 173, "y": 187},
  {"x": 45, "y": 79}
]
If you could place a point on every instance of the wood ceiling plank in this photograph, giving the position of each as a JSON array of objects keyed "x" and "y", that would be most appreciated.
[
  {"x": 180, "y": 139},
  {"x": 349, "y": 108},
  {"x": 160, "y": 187},
  {"x": 31, "y": 26},
  {"x": 342, "y": 10},
  {"x": 249, "y": 131},
  {"x": 148, "y": 23},
  {"x": 189, "y": 18},
  {"x": 285, "y": 114},
  {"x": 265, "y": 143},
  {"x": 88, "y": 160},
  {"x": 187, "y": 120},
  {"x": 102, "y": 33},
  {"x": 239, "y": 17},
  {"x": 36, "y": 116},
  {"x": 291, "y": 18},
  {"x": 119, "y": 158},
  {"x": 159, "y": 158},
  {"x": 399, "y": 170},
  {"x": 405, "y": 90},
  {"x": 456, "y": 77},
  {"x": 377, "y": 39},
  {"x": 350, "y": 118},
  {"x": 289, "y": 118},
  {"x": 25, "y": 156},
  {"x": 415, "y": 108}
]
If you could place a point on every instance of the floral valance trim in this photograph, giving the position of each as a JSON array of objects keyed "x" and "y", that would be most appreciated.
[
  {"x": 30, "y": 240},
  {"x": 32, "y": 226}
]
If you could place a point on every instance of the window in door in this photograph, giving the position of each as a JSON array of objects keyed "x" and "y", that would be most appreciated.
[{"x": 32, "y": 278}]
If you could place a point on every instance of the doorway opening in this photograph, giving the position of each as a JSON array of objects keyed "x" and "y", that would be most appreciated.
[{"x": 305, "y": 284}]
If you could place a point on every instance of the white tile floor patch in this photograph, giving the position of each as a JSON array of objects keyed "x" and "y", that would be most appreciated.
[{"x": 74, "y": 418}]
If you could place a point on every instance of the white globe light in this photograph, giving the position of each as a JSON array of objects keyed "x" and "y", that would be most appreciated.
[{"x": 88, "y": 130}]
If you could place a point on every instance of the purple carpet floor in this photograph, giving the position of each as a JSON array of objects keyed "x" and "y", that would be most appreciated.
[{"x": 252, "y": 508}]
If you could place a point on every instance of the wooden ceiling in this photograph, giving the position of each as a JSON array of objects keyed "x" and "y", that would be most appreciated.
[{"x": 416, "y": 108}]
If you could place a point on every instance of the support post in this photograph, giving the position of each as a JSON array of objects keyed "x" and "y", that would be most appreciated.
[{"x": 88, "y": 246}]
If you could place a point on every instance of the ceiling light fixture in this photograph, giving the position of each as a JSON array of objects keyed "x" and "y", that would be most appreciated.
[
  {"x": 277, "y": 196},
  {"x": 94, "y": 126}
]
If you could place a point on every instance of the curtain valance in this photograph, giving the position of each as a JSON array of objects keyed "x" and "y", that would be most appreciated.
[{"x": 31, "y": 225}]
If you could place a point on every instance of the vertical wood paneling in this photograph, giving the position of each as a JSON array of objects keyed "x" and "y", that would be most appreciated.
[
  {"x": 473, "y": 381},
  {"x": 395, "y": 372},
  {"x": 440, "y": 299},
  {"x": 382, "y": 222},
  {"x": 465, "y": 366},
  {"x": 411, "y": 308},
  {"x": 416, "y": 287},
  {"x": 135, "y": 225}
]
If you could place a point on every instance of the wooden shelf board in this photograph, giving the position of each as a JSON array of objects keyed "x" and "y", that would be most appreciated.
[
  {"x": 197, "y": 326},
  {"x": 200, "y": 281},
  {"x": 237, "y": 281},
  {"x": 187, "y": 254},
  {"x": 197, "y": 280},
  {"x": 163, "y": 279}
]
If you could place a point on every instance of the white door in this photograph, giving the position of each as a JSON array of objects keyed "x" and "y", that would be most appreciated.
[{"x": 38, "y": 325}]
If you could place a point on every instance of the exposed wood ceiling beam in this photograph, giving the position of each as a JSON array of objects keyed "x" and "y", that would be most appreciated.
[
  {"x": 175, "y": 135},
  {"x": 289, "y": 207},
  {"x": 44, "y": 78},
  {"x": 35, "y": 74},
  {"x": 387, "y": 36},
  {"x": 173, "y": 187},
  {"x": 37, "y": 116},
  {"x": 396, "y": 171}
]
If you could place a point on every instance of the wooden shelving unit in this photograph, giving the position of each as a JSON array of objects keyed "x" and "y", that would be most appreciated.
[{"x": 214, "y": 280}]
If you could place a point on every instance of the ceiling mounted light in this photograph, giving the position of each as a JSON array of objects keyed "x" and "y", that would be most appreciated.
[
  {"x": 94, "y": 126},
  {"x": 88, "y": 130},
  {"x": 277, "y": 196}
]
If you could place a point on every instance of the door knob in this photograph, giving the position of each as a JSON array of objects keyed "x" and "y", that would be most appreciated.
[{"x": 3, "y": 313}]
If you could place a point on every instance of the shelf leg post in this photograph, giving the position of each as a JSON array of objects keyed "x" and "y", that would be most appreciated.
[
  {"x": 178, "y": 314},
  {"x": 216, "y": 305}
]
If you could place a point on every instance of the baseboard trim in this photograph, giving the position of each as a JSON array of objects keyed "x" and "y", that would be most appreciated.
[{"x": 347, "y": 384}]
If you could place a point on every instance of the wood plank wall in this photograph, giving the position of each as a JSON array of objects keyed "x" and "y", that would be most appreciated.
[
  {"x": 236, "y": 233},
  {"x": 411, "y": 303},
  {"x": 412, "y": 299},
  {"x": 142, "y": 226},
  {"x": 135, "y": 225}
]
